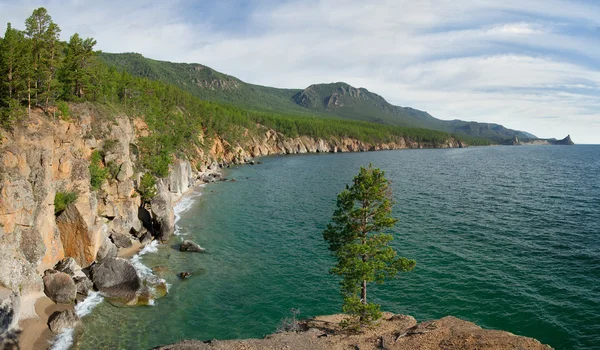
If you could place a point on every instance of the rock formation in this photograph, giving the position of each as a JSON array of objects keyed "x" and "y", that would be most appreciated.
[
  {"x": 59, "y": 287},
  {"x": 117, "y": 278},
  {"x": 392, "y": 332},
  {"x": 189, "y": 246},
  {"x": 61, "y": 320}
]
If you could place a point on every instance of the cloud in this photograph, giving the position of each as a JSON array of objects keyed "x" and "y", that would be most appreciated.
[{"x": 511, "y": 62}]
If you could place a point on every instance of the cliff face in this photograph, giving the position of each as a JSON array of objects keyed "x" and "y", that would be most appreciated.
[
  {"x": 45, "y": 157},
  {"x": 271, "y": 142}
]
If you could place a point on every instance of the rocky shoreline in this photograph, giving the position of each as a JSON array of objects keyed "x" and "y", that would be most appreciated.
[{"x": 391, "y": 332}]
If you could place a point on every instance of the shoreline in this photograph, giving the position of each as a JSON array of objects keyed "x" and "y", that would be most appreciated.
[{"x": 36, "y": 308}]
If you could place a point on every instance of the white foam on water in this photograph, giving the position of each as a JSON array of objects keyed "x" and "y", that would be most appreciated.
[
  {"x": 88, "y": 304},
  {"x": 184, "y": 205},
  {"x": 64, "y": 339},
  {"x": 136, "y": 260}
]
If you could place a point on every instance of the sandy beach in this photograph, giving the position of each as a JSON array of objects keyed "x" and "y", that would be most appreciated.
[{"x": 36, "y": 334}]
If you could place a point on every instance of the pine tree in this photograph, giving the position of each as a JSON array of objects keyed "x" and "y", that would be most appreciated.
[
  {"x": 363, "y": 255},
  {"x": 77, "y": 73},
  {"x": 44, "y": 34},
  {"x": 15, "y": 57}
]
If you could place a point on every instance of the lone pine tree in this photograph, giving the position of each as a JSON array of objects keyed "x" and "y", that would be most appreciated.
[{"x": 362, "y": 253}]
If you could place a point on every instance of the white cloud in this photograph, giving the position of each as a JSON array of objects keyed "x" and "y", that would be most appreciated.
[{"x": 513, "y": 62}]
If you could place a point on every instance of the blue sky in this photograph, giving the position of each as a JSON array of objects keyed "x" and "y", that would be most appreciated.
[{"x": 527, "y": 64}]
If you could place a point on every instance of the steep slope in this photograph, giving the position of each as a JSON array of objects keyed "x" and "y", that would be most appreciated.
[{"x": 338, "y": 100}]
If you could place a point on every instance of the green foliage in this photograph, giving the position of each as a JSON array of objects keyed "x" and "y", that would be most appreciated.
[
  {"x": 78, "y": 70},
  {"x": 363, "y": 255},
  {"x": 98, "y": 172},
  {"x": 62, "y": 201},
  {"x": 63, "y": 108},
  {"x": 45, "y": 50},
  {"x": 147, "y": 187}
]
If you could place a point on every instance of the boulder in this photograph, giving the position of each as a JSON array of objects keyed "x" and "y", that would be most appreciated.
[
  {"x": 189, "y": 246},
  {"x": 107, "y": 250},
  {"x": 61, "y": 320},
  {"x": 83, "y": 285},
  {"x": 79, "y": 238},
  {"x": 59, "y": 287},
  {"x": 116, "y": 277},
  {"x": 70, "y": 267},
  {"x": 9, "y": 318},
  {"x": 121, "y": 240}
]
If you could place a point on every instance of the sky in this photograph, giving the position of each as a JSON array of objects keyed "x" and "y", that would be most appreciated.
[{"x": 526, "y": 64}]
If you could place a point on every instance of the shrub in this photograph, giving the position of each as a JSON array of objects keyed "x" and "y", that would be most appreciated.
[
  {"x": 147, "y": 187},
  {"x": 62, "y": 201},
  {"x": 98, "y": 172},
  {"x": 63, "y": 107}
]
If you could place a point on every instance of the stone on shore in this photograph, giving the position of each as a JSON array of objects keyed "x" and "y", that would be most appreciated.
[
  {"x": 83, "y": 285},
  {"x": 107, "y": 250},
  {"x": 70, "y": 267},
  {"x": 121, "y": 240},
  {"x": 61, "y": 320},
  {"x": 189, "y": 246},
  {"x": 116, "y": 277},
  {"x": 59, "y": 287}
]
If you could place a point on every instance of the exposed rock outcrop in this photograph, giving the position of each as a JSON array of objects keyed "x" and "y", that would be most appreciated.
[
  {"x": 61, "y": 320},
  {"x": 393, "y": 332},
  {"x": 163, "y": 217},
  {"x": 117, "y": 278},
  {"x": 59, "y": 287},
  {"x": 107, "y": 250},
  {"x": 120, "y": 240},
  {"x": 189, "y": 246}
]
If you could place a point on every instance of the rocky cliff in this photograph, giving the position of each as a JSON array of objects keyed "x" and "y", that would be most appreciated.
[
  {"x": 392, "y": 332},
  {"x": 45, "y": 157}
]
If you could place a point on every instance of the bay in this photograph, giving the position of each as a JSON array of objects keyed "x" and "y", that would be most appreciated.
[{"x": 506, "y": 237}]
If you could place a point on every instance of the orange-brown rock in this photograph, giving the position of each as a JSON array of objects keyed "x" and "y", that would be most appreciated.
[{"x": 392, "y": 332}]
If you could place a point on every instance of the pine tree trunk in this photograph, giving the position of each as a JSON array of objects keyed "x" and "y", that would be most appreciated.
[
  {"x": 363, "y": 292},
  {"x": 29, "y": 98}
]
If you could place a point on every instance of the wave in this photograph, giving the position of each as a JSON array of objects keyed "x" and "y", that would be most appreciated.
[{"x": 184, "y": 205}]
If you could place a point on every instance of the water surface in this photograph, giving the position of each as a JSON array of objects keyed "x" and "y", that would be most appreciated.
[{"x": 506, "y": 237}]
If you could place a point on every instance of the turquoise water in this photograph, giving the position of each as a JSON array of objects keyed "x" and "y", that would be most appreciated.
[{"x": 506, "y": 237}]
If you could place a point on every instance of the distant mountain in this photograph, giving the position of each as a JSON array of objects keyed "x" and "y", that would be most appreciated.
[{"x": 338, "y": 100}]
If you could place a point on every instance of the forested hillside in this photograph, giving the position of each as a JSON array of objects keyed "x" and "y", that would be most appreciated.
[
  {"x": 335, "y": 100},
  {"x": 41, "y": 72}
]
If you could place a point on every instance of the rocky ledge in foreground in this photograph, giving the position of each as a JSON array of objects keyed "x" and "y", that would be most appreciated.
[{"x": 393, "y": 332}]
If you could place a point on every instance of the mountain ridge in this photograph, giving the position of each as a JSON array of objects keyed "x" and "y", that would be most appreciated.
[{"x": 332, "y": 100}]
